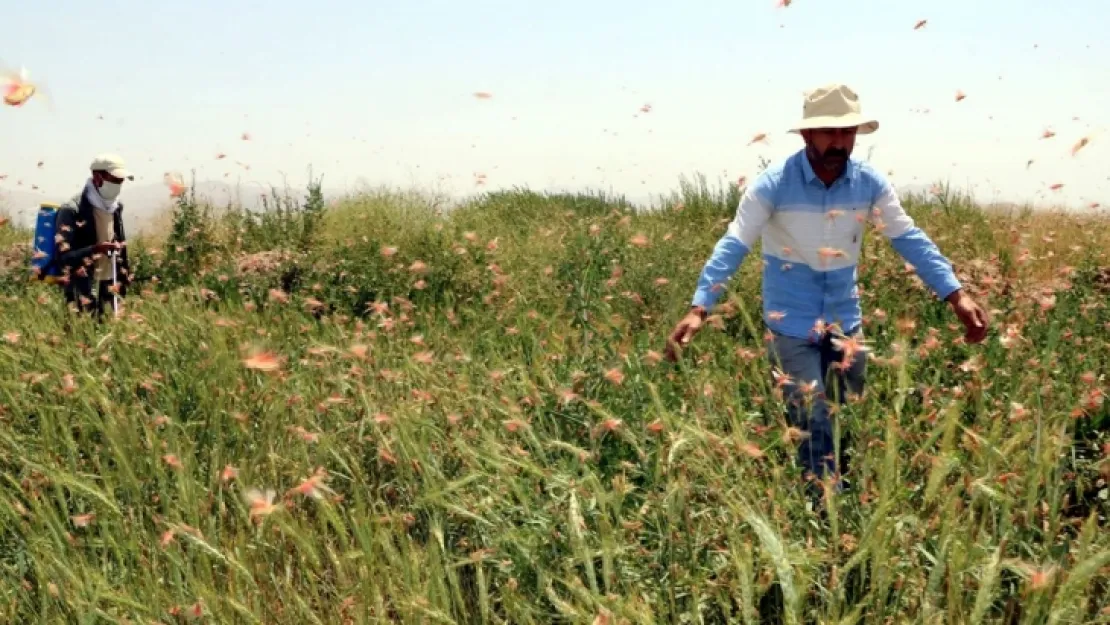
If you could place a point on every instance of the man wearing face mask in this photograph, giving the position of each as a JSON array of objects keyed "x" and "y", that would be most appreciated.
[
  {"x": 90, "y": 231},
  {"x": 810, "y": 212}
]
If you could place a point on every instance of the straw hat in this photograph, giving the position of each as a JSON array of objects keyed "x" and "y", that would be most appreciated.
[{"x": 834, "y": 106}]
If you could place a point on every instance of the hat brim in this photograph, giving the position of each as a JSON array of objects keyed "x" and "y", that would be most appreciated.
[
  {"x": 122, "y": 173},
  {"x": 863, "y": 125}
]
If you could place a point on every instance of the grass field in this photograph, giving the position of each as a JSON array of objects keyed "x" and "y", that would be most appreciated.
[{"x": 375, "y": 411}]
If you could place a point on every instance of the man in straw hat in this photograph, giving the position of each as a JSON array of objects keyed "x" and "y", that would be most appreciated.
[{"x": 809, "y": 212}]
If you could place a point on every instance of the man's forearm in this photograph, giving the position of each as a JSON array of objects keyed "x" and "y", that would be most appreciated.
[
  {"x": 955, "y": 296},
  {"x": 74, "y": 258},
  {"x": 727, "y": 256},
  {"x": 931, "y": 266}
]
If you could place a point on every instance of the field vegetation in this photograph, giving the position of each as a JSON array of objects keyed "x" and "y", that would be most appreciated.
[{"x": 380, "y": 410}]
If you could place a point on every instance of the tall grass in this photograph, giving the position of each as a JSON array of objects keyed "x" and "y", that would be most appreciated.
[{"x": 463, "y": 417}]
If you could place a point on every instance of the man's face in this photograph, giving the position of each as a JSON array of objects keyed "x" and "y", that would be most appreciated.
[
  {"x": 829, "y": 148},
  {"x": 100, "y": 177}
]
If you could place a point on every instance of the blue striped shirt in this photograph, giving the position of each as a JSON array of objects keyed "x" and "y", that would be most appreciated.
[{"x": 811, "y": 236}]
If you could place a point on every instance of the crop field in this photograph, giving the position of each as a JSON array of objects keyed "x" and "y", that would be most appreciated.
[{"x": 376, "y": 410}]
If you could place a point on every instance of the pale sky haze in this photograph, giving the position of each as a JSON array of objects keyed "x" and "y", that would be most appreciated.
[{"x": 371, "y": 92}]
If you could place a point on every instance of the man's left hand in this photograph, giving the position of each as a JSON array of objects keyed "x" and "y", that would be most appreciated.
[{"x": 971, "y": 315}]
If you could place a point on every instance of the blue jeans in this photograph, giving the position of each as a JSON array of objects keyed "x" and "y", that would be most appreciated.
[{"x": 806, "y": 361}]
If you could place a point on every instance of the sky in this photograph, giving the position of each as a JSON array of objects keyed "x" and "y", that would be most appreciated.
[{"x": 370, "y": 93}]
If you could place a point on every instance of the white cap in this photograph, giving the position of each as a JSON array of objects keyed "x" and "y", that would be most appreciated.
[{"x": 113, "y": 164}]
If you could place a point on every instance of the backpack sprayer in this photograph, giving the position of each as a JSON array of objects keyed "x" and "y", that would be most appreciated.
[
  {"x": 44, "y": 265},
  {"x": 44, "y": 245}
]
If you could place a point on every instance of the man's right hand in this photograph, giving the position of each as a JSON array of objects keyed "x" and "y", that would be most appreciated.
[
  {"x": 107, "y": 246},
  {"x": 684, "y": 332}
]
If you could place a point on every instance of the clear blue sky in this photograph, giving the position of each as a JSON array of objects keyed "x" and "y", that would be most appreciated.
[{"x": 381, "y": 92}]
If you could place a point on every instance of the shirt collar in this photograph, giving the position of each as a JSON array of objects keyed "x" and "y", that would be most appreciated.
[{"x": 851, "y": 171}]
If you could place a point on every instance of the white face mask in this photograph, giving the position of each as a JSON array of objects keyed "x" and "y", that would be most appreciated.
[{"x": 109, "y": 190}]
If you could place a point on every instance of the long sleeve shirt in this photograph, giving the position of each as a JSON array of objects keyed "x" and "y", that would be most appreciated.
[{"x": 811, "y": 236}]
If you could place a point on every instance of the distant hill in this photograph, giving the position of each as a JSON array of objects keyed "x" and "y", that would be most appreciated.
[
  {"x": 144, "y": 204},
  {"x": 19, "y": 205}
]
